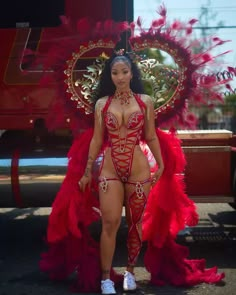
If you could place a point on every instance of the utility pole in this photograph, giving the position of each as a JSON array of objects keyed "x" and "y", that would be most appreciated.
[{"x": 207, "y": 15}]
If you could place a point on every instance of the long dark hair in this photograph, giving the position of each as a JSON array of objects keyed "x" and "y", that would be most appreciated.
[{"x": 106, "y": 86}]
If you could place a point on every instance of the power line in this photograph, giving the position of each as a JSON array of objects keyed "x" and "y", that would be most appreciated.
[
  {"x": 214, "y": 27},
  {"x": 209, "y": 27}
]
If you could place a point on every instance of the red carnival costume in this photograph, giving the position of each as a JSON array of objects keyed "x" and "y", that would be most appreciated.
[
  {"x": 122, "y": 150},
  {"x": 168, "y": 209}
]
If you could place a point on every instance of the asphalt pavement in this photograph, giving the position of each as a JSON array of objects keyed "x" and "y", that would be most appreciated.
[{"x": 22, "y": 232}]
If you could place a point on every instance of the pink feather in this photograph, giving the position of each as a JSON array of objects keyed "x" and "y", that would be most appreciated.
[
  {"x": 162, "y": 10},
  {"x": 158, "y": 22}
]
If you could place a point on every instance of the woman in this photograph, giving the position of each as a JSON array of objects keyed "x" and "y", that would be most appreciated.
[
  {"x": 157, "y": 207},
  {"x": 124, "y": 179}
]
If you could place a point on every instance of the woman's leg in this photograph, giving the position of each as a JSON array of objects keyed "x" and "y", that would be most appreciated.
[
  {"x": 134, "y": 206},
  {"x": 111, "y": 203}
]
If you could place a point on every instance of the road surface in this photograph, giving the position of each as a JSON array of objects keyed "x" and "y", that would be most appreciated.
[{"x": 22, "y": 232}]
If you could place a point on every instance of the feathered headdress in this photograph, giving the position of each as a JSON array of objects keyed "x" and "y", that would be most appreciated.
[{"x": 77, "y": 61}]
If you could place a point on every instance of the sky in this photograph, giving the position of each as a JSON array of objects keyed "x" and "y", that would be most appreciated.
[{"x": 219, "y": 11}]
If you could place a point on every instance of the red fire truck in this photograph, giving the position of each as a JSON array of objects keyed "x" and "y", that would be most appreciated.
[{"x": 33, "y": 160}]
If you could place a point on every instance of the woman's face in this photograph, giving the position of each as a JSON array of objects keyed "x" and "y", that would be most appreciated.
[{"x": 121, "y": 75}]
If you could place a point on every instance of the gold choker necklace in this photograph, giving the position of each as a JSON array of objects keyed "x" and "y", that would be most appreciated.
[{"x": 123, "y": 96}]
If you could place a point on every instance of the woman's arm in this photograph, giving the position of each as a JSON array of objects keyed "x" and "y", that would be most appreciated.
[
  {"x": 95, "y": 145},
  {"x": 151, "y": 137}
]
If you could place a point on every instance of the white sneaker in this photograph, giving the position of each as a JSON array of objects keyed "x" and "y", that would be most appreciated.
[
  {"x": 107, "y": 287},
  {"x": 129, "y": 283}
]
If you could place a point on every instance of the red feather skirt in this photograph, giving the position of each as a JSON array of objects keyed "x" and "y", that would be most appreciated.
[{"x": 72, "y": 249}]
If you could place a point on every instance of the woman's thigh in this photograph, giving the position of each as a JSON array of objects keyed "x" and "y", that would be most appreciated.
[
  {"x": 112, "y": 200},
  {"x": 134, "y": 203}
]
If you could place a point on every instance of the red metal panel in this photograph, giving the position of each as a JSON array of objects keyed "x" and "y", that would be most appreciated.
[
  {"x": 208, "y": 171},
  {"x": 97, "y": 10},
  {"x": 208, "y": 156},
  {"x": 21, "y": 99}
]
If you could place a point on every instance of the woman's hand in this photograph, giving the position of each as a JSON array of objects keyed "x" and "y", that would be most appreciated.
[
  {"x": 85, "y": 181},
  {"x": 156, "y": 176}
]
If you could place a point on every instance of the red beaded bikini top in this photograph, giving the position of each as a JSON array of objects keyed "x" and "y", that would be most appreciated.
[{"x": 135, "y": 120}]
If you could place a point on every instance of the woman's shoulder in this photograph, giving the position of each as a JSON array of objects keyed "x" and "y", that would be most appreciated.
[
  {"x": 146, "y": 99},
  {"x": 101, "y": 102}
]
